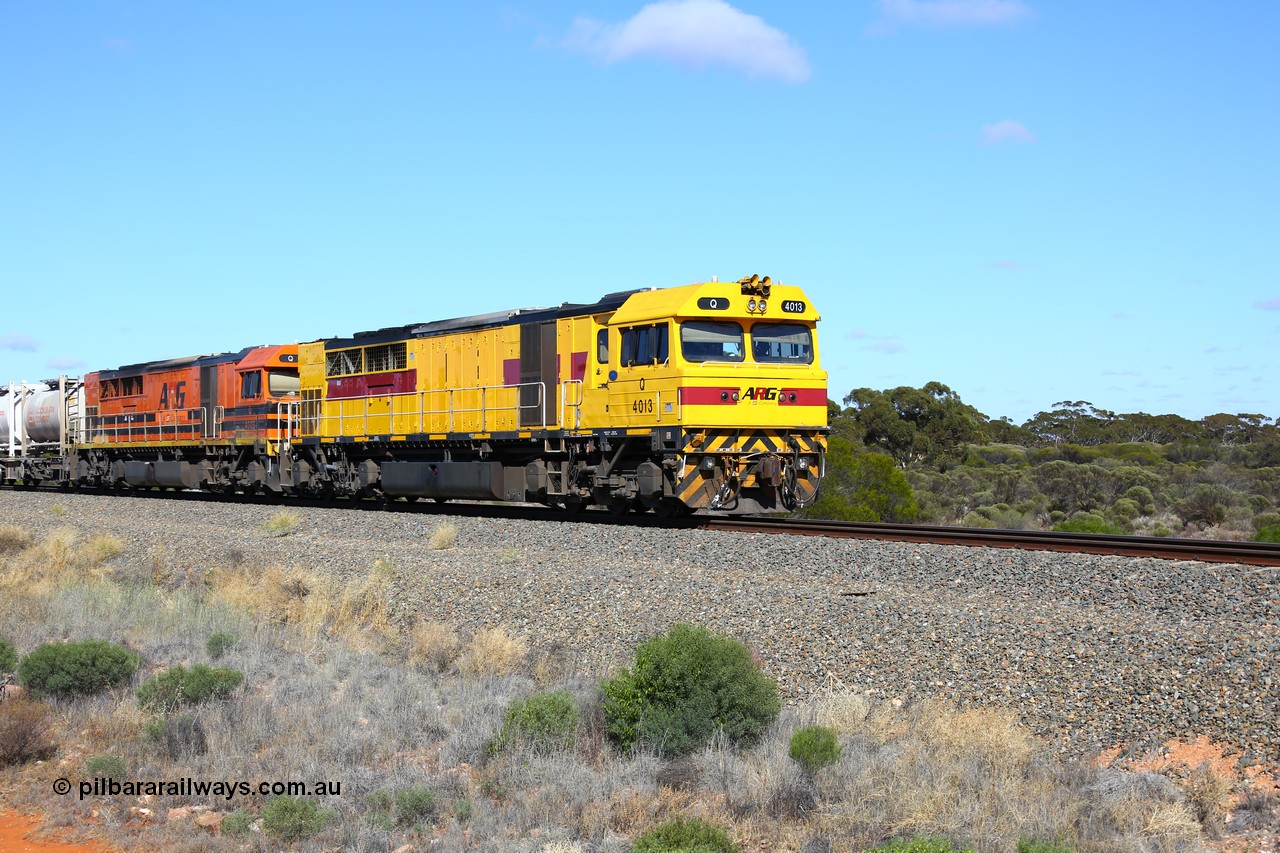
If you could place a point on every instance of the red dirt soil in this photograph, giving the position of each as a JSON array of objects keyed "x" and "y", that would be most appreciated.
[{"x": 21, "y": 833}]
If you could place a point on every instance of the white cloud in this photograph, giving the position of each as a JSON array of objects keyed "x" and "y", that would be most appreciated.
[
  {"x": 950, "y": 13},
  {"x": 1006, "y": 131},
  {"x": 19, "y": 343},
  {"x": 1268, "y": 304},
  {"x": 694, "y": 33}
]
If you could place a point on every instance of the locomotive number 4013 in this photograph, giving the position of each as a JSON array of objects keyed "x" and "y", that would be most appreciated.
[
  {"x": 793, "y": 306},
  {"x": 642, "y": 405}
]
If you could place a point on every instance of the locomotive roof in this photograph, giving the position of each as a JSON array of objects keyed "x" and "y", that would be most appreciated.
[
  {"x": 173, "y": 363},
  {"x": 476, "y": 322}
]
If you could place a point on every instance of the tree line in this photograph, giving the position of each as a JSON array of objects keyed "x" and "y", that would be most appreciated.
[{"x": 908, "y": 454}]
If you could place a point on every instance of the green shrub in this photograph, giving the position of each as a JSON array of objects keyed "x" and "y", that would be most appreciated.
[
  {"x": 106, "y": 767},
  {"x": 1267, "y": 534},
  {"x": 219, "y": 644},
  {"x": 415, "y": 804},
  {"x": 293, "y": 818},
  {"x": 686, "y": 685},
  {"x": 685, "y": 835},
  {"x": 815, "y": 747},
  {"x": 920, "y": 845},
  {"x": 1126, "y": 509},
  {"x": 8, "y": 656},
  {"x": 543, "y": 722},
  {"x": 239, "y": 822},
  {"x": 178, "y": 686},
  {"x": 79, "y": 668},
  {"x": 1142, "y": 496},
  {"x": 1027, "y": 845},
  {"x": 1087, "y": 525}
]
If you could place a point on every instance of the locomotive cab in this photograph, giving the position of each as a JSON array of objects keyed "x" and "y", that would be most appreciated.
[{"x": 726, "y": 378}]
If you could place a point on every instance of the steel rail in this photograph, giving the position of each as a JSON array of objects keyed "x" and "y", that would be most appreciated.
[{"x": 1203, "y": 550}]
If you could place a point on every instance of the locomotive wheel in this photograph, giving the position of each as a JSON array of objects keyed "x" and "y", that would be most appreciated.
[{"x": 619, "y": 506}]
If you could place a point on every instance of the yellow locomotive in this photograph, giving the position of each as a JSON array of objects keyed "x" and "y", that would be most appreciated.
[{"x": 707, "y": 396}]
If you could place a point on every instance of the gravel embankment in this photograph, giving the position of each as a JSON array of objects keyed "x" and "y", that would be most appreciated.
[{"x": 1090, "y": 650}]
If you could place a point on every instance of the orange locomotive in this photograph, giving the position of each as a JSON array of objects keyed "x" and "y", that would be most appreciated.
[{"x": 212, "y": 421}]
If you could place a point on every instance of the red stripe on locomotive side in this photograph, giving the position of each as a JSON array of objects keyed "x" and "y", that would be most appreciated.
[
  {"x": 723, "y": 395},
  {"x": 692, "y": 395},
  {"x": 373, "y": 385}
]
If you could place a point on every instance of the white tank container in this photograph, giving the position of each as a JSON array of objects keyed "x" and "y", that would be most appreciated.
[
  {"x": 42, "y": 412},
  {"x": 6, "y": 418}
]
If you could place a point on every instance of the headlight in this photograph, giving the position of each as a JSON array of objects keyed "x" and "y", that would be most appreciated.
[
  {"x": 762, "y": 304},
  {"x": 751, "y": 306},
  {"x": 802, "y": 464}
]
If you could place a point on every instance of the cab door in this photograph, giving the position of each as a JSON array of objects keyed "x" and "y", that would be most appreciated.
[{"x": 642, "y": 390}]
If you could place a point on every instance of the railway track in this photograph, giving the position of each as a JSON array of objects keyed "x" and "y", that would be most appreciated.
[{"x": 1203, "y": 550}]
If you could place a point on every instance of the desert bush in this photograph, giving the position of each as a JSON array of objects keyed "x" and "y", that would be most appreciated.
[
  {"x": 78, "y": 668},
  {"x": 8, "y": 656},
  {"x": 106, "y": 767},
  {"x": 183, "y": 736},
  {"x": 1206, "y": 503},
  {"x": 414, "y": 804},
  {"x": 1142, "y": 496},
  {"x": 1088, "y": 524},
  {"x": 686, "y": 685},
  {"x": 1126, "y": 509},
  {"x": 293, "y": 818},
  {"x": 239, "y": 822},
  {"x": 1030, "y": 845},
  {"x": 815, "y": 747},
  {"x": 178, "y": 686},
  {"x": 493, "y": 652},
  {"x": 444, "y": 537},
  {"x": 543, "y": 722},
  {"x": 282, "y": 523},
  {"x": 24, "y": 731},
  {"x": 433, "y": 646},
  {"x": 219, "y": 643},
  {"x": 1267, "y": 534},
  {"x": 685, "y": 835},
  {"x": 13, "y": 538}
]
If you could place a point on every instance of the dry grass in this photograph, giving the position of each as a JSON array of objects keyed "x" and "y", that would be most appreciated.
[
  {"x": 433, "y": 646},
  {"x": 56, "y": 561},
  {"x": 13, "y": 538},
  {"x": 444, "y": 537},
  {"x": 493, "y": 652},
  {"x": 358, "y": 612},
  {"x": 327, "y": 696},
  {"x": 282, "y": 523},
  {"x": 24, "y": 731}
]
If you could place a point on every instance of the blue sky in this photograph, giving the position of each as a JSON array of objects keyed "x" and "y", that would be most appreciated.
[{"x": 1029, "y": 201}]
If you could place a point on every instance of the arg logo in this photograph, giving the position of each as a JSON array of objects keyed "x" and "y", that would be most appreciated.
[{"x": 760, "y": 393}]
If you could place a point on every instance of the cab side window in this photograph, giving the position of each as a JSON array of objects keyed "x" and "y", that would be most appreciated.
[
  {"x": 602, "y": 346},
  {"x": 251, "y": 384},
  {"x": 645, "y": 345}
]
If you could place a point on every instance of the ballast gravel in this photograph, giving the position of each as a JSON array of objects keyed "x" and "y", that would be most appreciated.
[{"x": 1091, "y": 651}]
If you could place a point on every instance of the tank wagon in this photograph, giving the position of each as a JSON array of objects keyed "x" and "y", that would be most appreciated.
[{"x": 708, "y": 396}]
